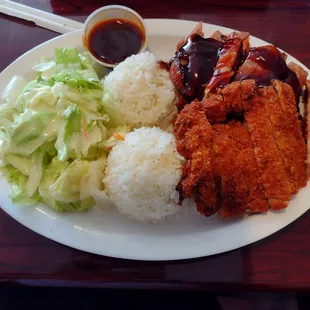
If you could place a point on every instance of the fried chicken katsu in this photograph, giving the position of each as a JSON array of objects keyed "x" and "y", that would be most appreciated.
[
  {"x": 242, "y": 137},
  {"x": 195, "y": 136}
]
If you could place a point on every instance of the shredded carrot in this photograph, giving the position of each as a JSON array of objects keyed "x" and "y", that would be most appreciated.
[
  {"x": 84, "y": 128},
  {"x": 118, "y": 136}
]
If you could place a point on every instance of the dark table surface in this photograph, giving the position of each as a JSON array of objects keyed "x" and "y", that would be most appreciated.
[{"x": 279, "y": 262}]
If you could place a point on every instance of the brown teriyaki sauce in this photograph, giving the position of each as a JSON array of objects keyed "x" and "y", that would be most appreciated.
[
  {"x": 113, "y": 40},
  {"x": 197, "y": 59},
  {"x": 273, "y": 67}
]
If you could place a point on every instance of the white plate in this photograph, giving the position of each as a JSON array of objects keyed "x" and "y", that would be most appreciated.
[{"x": 187, "y": 236}]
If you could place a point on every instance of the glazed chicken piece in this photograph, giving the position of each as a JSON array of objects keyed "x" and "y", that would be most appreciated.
[
  {"x": 177, "y": 74},
  {"x": 266, "y": 63},
  {"x": 201, "y": 65},
  {"x": 193, "y": 66},
  {"x": 252, "y": 74},
  {"x": 235, "y": 47},
  {"x": 196, "y": 30}
]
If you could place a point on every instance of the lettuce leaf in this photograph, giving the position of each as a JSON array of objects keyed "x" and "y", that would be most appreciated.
[
  {"x": 77, "y": 79},
  {"x": 68, "y": 55},
  {"x": 76, "y": 136},
  {"x": 107, "y": 102},
  {"x": 14, "y": 89},
  {"x": 55, "y": 132},
  {"x": 92, "y": 185},
  {"x": 19, "y": 194},
  {"x": 80, "y": 181},
  {"x": 29, "y": 131}
]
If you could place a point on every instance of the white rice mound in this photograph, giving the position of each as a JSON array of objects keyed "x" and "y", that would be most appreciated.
[
  {"x": 142, "y": 173},
  {"x": 142, "y": 92}
]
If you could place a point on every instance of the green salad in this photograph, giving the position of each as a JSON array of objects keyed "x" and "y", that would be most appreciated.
[{"x": 55, "y": 134}]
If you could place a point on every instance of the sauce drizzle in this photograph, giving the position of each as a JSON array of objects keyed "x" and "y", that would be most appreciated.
[
  {"x": 268, "y": 64},
  {"x": 197, "y": 59}
]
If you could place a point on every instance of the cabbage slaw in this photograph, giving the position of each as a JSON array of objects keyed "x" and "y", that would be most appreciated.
[{"x": 55, "y": 134}]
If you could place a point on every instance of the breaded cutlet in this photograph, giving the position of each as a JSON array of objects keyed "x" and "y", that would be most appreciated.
[
  {"x": 294, "y": 134},
  {"x": 194, "y": 137},
  {"x": 282, "y": 134},
  {"x": 256, "y": 201},
  {"x": 275, "y": 180},
  {"x": 234, "y": 189}
]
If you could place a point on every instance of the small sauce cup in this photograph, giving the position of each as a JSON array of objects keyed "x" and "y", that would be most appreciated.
[{"x": 111, "y": 34}]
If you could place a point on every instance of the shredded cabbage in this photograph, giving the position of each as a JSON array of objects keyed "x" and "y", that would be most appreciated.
[{"x": 55, "y": 134}]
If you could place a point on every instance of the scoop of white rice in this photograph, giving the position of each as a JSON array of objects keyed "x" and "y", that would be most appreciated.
[
  {"x": 142, "y": 92},
  {"x": 142, "y": 173}
]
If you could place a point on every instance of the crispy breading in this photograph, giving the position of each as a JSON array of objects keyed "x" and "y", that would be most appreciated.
[
  {"x": 234, "y": 190},
  {"x": 231, "y": 99},
  {"x": 236, "y": 168},
  {"x": 231, "y": 96},
  {"x": 206, "y": 190},
  {"x": 247, "y": 91},
  {"x": 281, "y": 133},
  {"x": 292, "y": 132},
  {"x": 256, "y": 201},
  {"x": 194, "y": 137},
  {"x": 236, "y": 96},
  {"x": 192, "y": 130},
  {"x": 214, "y": 108},
  {"x": 274, "y": 177}
]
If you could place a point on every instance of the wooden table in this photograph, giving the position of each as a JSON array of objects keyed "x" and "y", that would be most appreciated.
[{"x": 280, "y": 262}]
